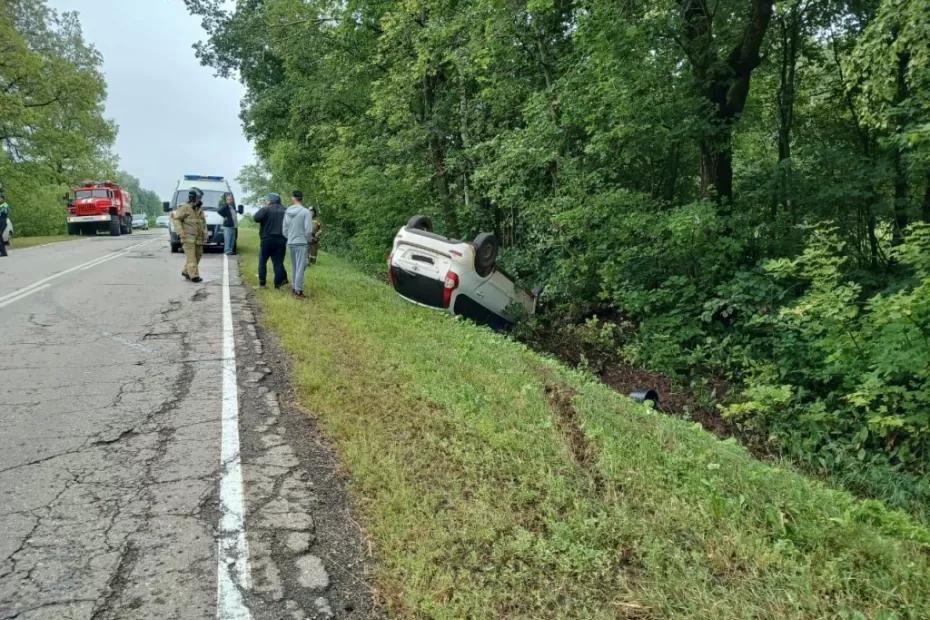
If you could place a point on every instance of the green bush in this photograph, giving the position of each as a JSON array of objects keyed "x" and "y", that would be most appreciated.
[{"x": 847, "y": 374}]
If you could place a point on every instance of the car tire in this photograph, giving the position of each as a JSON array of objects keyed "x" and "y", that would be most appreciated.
[
  {"x": 74, "y": 229},
  {"x": 486, "y": 247},
  {"x": 420, "y": 222},
  {"x": 115, "y": 227}
]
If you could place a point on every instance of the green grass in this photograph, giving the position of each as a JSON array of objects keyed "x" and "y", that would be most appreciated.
[
  {"x": 28, "y": 242},
  {"x": 496, "y": 483}
]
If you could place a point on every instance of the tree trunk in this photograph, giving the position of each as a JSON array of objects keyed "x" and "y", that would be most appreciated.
[
  {"x": 670, "y": 177},
  {"x": 870, "y": 223},
  {"x": 725, "y": 85},
  {"x": 441, "y": 182},
  {"x": 925, "y": 207},
  {"x": 900, "y": 167},
  {"x": 437, "y": 155},
  {"x": 790, "y": 30},
  {"x": 900, "y": 199},
  {"x": 717, "y": 167}
]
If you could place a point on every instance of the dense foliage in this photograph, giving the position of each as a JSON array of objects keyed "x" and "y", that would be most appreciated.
[
  {"x": 735, "y": 184},
  {"x": 143, "y": 200},
  {"x": 53, "y": 133}
]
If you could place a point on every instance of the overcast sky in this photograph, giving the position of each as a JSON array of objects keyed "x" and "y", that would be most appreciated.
[{"x": 174, "y": 116}]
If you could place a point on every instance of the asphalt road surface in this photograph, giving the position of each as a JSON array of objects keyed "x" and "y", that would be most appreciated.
[{"x": 150, "y": 464}]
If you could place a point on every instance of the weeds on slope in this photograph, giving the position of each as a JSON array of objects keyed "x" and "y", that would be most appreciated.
[{"x": 496, "y": 483}]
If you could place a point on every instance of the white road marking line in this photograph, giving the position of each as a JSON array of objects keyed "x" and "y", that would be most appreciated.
[
  {"x": 35, "y": 286},
  {"x": 7, "y": 302},
  {"x": 232, "y": 554}
]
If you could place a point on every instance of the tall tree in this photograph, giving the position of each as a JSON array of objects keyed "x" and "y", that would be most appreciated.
[
  {"x": 889, "y": 78},
  {"x": 722, "y": 67},
  {"x": 52, "y": 129}
]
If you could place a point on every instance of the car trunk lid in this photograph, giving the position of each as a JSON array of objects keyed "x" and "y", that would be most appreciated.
[{"x": 419, "y": 274}]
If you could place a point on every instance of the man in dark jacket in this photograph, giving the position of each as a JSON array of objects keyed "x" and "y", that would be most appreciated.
[{"x": 270, "y": 219}]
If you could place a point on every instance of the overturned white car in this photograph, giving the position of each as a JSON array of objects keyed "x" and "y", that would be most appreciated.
[{"x": 459, "y": 277}]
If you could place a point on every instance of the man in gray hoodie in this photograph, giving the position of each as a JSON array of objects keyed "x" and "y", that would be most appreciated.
[{"x": 298, "y": 228}]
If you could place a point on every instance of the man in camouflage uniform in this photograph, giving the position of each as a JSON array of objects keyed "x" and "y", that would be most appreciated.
[
  {"x": 315, "y": 239},
  {"x": 191, "y": 225}
]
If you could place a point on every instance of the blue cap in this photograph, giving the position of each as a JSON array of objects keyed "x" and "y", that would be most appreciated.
[{"x": 274, "y": 198}]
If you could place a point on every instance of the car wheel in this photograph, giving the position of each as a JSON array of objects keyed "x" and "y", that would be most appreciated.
[
  {"x": 486, "y": 246},
  {"x": 74, "y": 229},
  {"x": 420, "y": 222}
]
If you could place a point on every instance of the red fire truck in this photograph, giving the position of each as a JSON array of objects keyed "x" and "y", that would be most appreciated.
[{"x": 99, "y": 205}]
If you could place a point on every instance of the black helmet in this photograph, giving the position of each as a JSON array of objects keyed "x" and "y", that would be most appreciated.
[{"x": 194, "y": 194}]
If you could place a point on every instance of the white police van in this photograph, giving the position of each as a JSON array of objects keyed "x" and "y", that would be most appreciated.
[{"x": 214, "y": 189}]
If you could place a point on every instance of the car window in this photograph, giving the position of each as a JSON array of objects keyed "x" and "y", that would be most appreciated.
[
  {"x": 88, "y": 193},
  {"x": 212, "y": 199}
]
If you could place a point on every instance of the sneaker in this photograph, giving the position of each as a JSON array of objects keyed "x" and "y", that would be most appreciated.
[
  {"x": 299, "y": 294},
  {"x": 197, "y": 279},
  {"x": 261, "y": 285}
]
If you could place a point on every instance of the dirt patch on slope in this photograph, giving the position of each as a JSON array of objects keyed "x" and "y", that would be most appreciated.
[{"x": 566, "y": 418}]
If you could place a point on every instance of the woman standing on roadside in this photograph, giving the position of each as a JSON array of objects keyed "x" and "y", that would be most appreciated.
[
  {"x": 230, "y": 226},
  {"x": 4, "y": 218}
]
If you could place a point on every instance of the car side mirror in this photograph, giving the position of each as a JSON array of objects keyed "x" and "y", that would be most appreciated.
[
  {"x": 166, "y": 207},
  {"x": 241, "y": 209}
]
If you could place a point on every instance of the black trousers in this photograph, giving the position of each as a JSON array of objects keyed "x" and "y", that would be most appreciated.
[
  {"x": 273, "y": 249},
  {"x": 3, "y": 219}
]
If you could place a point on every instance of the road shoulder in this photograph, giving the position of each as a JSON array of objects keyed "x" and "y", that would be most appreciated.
[{"x": 307, "y": 554}]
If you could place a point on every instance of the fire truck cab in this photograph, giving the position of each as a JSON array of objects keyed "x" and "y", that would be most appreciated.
[{"x": 99, "y": 206}]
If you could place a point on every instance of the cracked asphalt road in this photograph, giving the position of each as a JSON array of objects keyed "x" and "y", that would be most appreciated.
[{"x": 110, "y": 410}]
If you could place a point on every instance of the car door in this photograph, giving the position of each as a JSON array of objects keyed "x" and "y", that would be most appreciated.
[
  {"x": 499, "y": 293},
  {"x": 495, "y": 292}
]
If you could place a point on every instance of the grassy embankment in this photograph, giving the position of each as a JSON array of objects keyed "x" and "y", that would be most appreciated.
[
  {"x": 28, "y": 242},
  {"x": 496, "y": 483}
]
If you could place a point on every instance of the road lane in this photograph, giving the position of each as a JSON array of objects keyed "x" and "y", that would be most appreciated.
[
  {"x": 147, "y": 466},
  {"x": 109, "y": 406}
]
